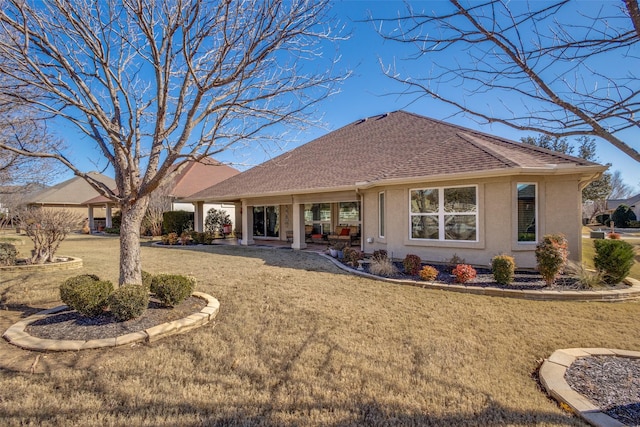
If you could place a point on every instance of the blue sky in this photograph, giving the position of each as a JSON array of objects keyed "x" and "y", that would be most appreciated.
[{"x": 368, "y": 92}]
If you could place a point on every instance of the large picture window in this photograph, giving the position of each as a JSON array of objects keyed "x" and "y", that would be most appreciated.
[
  {"x": 444, "y": 213},
  {"x": 527, "y": 212}
]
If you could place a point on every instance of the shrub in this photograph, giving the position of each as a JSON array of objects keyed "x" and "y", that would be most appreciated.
[
  {"x": 184, "y": 238},
  {"x": 382, "y": 267},
  {"x": 86, "y": 294},
  {"x": 463, "y": 273},
  {"x": 614, "y": 236},
  {"x": 147, "y": 278},
  {"x": 8, "y": 254},
  {"x": 622, "y": 216},
  {"x": 602, "y": 219},
  {"x": 634, "y": 224},
  {"x": 503, "y": 268},
  {"x": 177, "y": 221},
  {"x": 172, "y": 238},
  {"x": 412, "y": 264},
  {"x": 112, "y": 230},
  {"x": 47, "y": 228},
  {"x": 428, "y": 273},
  {"x": 128, "y": 302},
  {"x": 216, "y": 220},
  {"x": 379, "y": 255},
  {"x": 551, "y": 256},
  {"x": 172, "y": 289},
  {"x": 588, "y": 279},
  {"x": 351, "y": 256},
  {"x": 614, "y": 258}
]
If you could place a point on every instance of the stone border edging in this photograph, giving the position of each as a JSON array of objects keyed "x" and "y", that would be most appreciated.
[
  {"x": 613, "y": 295},
  {"x": 17, "y": 336},
  {"x": 71, "y": 264},
  {"x": 552, "y": 374}
]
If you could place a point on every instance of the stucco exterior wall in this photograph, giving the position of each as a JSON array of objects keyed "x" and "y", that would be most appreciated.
[{"x": 559, "y": 210}]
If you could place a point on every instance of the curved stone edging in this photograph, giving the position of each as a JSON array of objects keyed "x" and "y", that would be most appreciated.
[
  {"x": 71, "y": 264},
  {"x": 613, "y": 295},
  {"x": 17, "y": 336},
  {"x": 552, "y": 374}
]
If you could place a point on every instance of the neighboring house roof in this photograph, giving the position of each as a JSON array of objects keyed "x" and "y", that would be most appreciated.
[
  {"x": 74, "y": 191},
  {"x": 197, "y": 176},
  {"x": 390, "y": 148},
  {"x": 631, "y": 201},
  {"x": 194, "y": 177}
]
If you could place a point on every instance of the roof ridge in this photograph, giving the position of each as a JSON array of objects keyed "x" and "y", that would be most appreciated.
[{"x": 482, "y": 146}]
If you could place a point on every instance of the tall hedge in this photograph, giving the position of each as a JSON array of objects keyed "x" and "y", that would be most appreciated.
[
  {"x": 622, "y": 216},
  {"x": 177, "y": 221},
  {"x": 614, "y": 258}
]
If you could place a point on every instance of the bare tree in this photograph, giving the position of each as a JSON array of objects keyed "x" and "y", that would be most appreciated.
[
  {"x": 47, "y": 228},
  {"x": 619, "y": 190},
  {"x": 547, "y": 67},
  {"x": 155, "y": 83}
]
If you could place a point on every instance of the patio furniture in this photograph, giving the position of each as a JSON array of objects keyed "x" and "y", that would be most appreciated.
[{"x": 347, "y": 234}]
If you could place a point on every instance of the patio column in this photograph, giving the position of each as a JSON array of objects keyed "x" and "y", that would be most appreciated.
[
  {"x": 91, "y": 223},
  {"x": 198, "y": 216},
  {"x": 109, "y": 222},
  {"x": 247, "y": 224},
  {"x": 298, "y": 227}
]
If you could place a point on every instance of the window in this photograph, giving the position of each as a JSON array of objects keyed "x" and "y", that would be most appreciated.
[
  {"x": 444, "y": 213},
  {"x": 318, "y": 215},
  {"x": 266, "y": 221},
  {"x": 381, "y": 214},
  {"x": 527, "y": 212}
]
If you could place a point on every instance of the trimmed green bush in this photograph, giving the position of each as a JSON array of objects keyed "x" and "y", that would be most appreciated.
[
  {"x": 128, "y": 302},
  {"x": 8, "y": 254},
  {"x": 622, "y": 216},
  {"x": 614, "y": 258},
  {"x": 503, "y": 268},
  {"x": 86, "y": 294},
  {"x": 146, "y": 280},
  {"x": 412, "y": 264},
  {"x": 177, "y": 222},
  {"x": 172, "y": 289}
]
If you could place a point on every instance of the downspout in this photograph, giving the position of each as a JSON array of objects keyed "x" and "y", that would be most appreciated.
[{"x": 361, "y": 199}]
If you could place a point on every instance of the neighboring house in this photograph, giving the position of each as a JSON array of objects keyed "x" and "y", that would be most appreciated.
[
  {"x": 633, "y": 202},
  {"x": 413, "y": 185},
  {"x": 194, "y": 177},
  {"x": 12, "y": 197},
  {"x": 72, "y": 195}
]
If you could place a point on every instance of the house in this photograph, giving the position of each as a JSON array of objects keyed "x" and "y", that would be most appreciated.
[
  {"x": 413, "y": 185},
  {"x": 72, "y": 194},
  {"x": 194, "y": 177},
  {"x": 633, "y": 202}
]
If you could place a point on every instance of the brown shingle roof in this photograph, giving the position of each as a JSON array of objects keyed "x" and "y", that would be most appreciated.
[
  {"x": 74, "y": 191},
  {"x": 393, "y": 146}
]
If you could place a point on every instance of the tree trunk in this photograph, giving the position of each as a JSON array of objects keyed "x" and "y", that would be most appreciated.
[{"x": 130, "y": 265}]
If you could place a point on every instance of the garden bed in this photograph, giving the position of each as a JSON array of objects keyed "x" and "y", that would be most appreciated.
[{"x": 524, "y": 280}]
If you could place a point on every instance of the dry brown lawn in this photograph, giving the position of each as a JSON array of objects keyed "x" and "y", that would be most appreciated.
[{"x": 298, "y": 342}]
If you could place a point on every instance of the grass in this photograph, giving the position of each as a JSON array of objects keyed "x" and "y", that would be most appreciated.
[{"x": 298, "y": 342}]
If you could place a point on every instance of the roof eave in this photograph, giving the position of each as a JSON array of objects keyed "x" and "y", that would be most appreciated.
[{"x": 589, "y": 172}]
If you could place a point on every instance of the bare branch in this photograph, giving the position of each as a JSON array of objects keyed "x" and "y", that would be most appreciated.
[{"x": 546, "y": 66}]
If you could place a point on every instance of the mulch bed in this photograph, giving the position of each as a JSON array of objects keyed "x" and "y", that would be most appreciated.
[
  {"x": 70, "y": 325},
  {"x": 611, "y": 383},
  {"x": 524, "y": 280}
]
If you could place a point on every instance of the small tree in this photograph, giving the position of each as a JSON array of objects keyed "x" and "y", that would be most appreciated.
[
  {"x": 622, "y": 216},
  {"x": 215, "y": 220},
  {"x": 47, "y": 228}
]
